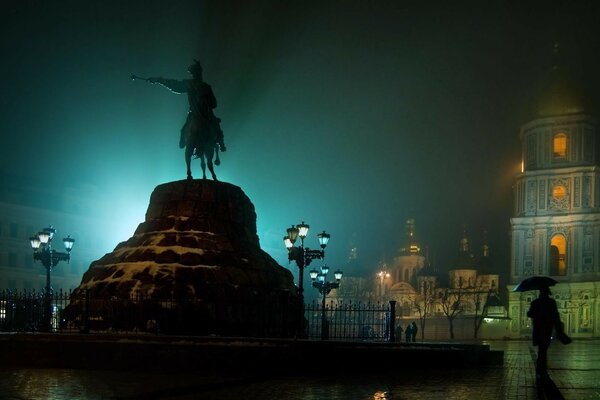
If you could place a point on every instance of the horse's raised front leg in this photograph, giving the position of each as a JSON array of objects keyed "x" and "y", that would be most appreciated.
[{"x": 188, "y": 159}]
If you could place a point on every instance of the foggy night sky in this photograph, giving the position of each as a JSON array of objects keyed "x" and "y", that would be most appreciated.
[{"x": 352, "y": 116}]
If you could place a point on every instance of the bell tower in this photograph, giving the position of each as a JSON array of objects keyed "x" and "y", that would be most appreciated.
[{"x": 555, "y": 229}]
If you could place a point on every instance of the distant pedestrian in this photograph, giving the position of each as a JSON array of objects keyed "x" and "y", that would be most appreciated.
[
  {"x": 408, "y": 333},
  {"x": 399, "y": 331},
  {"x": 413, "y": 331},
  {"x": 545, "y": 317}
]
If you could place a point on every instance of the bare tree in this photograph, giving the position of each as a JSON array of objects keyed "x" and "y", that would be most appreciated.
[
  {"x": 481, "y": 296},
  {"x": 423, "y": 303},
  {"x": 452, "y": 305}
]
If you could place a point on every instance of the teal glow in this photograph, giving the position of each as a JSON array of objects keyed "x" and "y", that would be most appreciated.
[{"x": 352, "y": 118}]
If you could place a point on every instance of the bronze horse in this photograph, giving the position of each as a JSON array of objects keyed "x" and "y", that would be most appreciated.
[
  {"x": 201, "y": 134},
  {"x": 202, "y": 142}
]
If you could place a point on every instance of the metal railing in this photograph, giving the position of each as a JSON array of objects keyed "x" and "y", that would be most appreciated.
[
  {"x": 27, "y": 311},
  {"x": 264, "y": 316},
  {"x": 349, "y": 321}
]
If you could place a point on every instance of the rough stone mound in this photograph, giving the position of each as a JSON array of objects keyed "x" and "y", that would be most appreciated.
[{"x": 198, "y": 253}]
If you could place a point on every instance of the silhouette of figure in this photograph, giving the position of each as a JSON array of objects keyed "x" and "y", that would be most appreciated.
[
  {"x": 201, "y": 135},
  {"x": 413, "y": 331},
  {"x": 408, "y": 333},
  {"x": 399, "y": 331},
  {"x": 545, "y": 317}
]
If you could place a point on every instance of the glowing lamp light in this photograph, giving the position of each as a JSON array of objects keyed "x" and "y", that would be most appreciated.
[
  {"x": 35, "y": 242},
  {"x": 288, "y": 243},
  {"x": 321, "y": 277},
  {"x": 338, "y": 275},
  {"x": 324, "y": 269},
  {"x": 68, "y": 242},
  {"x": 302, "y": 230},
  {"x": 292, "y": 234},
  {"x": 51, "y": 231},
  {"x": 44, "y": 236},
  {"x": 323, "y": 239},
  {"x": 313, "y": 274}
]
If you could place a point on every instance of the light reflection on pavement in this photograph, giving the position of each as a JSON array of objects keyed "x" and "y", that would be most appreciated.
[{"x": 575, "y": 369}]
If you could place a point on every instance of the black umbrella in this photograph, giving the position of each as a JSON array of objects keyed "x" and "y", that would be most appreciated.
[{"x": 534, "y": 283}]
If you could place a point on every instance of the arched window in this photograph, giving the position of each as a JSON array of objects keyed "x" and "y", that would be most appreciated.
[
  {"x": 558, "y": 255},
  {"x": 559, "y": 145}
]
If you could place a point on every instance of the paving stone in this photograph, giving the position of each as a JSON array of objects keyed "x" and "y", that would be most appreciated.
[{"x": 574, "y": 369}]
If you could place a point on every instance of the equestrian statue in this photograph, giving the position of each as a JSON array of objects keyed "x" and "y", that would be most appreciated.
[{"x": 201, "y": 135}]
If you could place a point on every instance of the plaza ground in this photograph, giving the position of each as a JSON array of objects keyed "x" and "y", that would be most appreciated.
[{"x": 574, "y": 370}]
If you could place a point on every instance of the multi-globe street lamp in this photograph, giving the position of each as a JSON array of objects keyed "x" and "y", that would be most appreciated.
[
  {"x": 383, "y": 275},
  {"x": 43, "y": 251},
  {"x": 303, "y": 256},
  {"x": 320, "y": 282}
]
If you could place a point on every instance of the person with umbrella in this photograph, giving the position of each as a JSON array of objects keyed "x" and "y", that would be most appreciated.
[{"x": 544, "y": 315}]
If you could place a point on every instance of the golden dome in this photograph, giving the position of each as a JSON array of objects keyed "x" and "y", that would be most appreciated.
[{"x": 562, "y": 96}]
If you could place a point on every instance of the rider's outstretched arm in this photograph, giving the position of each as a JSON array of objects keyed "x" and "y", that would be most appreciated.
[{"x": 173, "y": 85}]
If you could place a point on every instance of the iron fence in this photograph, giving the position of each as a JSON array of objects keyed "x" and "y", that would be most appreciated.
[
  {"x": 28, "y": 311},
  {"x": 349, "y": 321},
  {"x": 268, "y": 316}
]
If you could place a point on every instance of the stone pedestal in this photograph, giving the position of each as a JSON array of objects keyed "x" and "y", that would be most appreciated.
[{"x": 196, "y": 262}]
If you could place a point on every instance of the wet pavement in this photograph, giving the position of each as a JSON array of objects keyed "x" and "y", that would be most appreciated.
[{"x": 574, "y": 373}]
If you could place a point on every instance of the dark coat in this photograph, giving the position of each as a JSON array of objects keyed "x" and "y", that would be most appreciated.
[{"x": 545, "y": 317}]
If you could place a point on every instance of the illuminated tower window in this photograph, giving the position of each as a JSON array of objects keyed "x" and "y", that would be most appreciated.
[
  {"x": 558, "y": 255},
  {"x": 560, "y": 145},
  {"x": 558, "y": 192}
]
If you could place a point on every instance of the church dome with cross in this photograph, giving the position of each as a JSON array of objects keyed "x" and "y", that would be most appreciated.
[{"x": 560, "y": 92}]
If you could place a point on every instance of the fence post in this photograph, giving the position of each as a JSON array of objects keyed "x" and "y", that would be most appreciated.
[
  {"x": 86, "y": 311},
  {"x": 392, "y": 324}
]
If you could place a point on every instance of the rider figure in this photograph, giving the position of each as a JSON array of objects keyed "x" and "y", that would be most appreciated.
[{"x": 200, "y": 119}]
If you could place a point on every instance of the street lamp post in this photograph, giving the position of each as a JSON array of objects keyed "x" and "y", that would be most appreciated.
[
  {"x": 324, "y": 287},
  {"x": 303, "y": 256},
  {"x": 383, "y": 274},
  {"x": 43, "y": 251}
]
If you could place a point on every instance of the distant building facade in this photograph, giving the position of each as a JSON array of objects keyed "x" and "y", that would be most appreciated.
[
  {"x": 467, "y": 293},
  {"x": 20, "y": 218}
]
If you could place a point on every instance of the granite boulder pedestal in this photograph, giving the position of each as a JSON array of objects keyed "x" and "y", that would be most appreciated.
[{"x": 193, "y": 266}]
